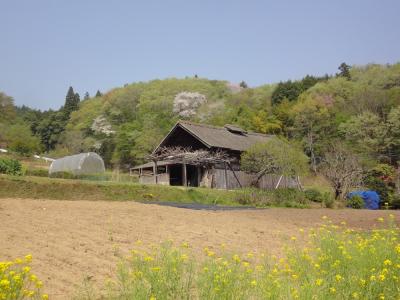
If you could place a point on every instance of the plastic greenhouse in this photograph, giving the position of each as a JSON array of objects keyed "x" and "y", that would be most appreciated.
[{"x": 79, "y": 164}]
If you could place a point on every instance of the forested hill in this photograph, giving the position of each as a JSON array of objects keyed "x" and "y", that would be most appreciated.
[{"x": 359, "y": 107}]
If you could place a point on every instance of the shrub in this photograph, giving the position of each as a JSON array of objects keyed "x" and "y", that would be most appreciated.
[
  {"x": 37, "y": 172},
  {"x": 10, "y": 166},
  {"x": 356, "y": 202},
  {"x": 395, "y": 201},
  {"x": 17, "y": 281},
  {"x": 290, "y": 197},
  {"x": 313, "y": 195},
  {"x": 328, "y": 200}
]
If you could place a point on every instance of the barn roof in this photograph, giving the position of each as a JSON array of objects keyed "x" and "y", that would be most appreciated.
[{"x": 229, "y": 137}]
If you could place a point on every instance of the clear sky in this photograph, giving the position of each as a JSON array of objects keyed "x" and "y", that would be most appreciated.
[{"x": 46, "y": 46}]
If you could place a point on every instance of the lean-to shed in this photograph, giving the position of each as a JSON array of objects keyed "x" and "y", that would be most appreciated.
[{"x": 79, "y": 164}]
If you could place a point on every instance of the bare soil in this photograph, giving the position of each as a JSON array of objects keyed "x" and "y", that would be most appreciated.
[{"x": 71, "y": 240}]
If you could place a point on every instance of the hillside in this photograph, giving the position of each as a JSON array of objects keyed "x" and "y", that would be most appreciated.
[{"x": 358, "y": 106}]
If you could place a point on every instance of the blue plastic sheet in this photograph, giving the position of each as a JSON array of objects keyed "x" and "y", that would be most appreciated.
[{"x": 371, "y": 198}]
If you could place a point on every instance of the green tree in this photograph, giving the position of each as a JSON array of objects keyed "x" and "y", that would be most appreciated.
[
  {"x": 98, "y": 94},
  {"x": 344, "y": 71},
  {"x": 276, "y": 156},
  {"x": 243, "y": 84},
  {"x": 87, "y": 96},
  {"x": 311, "y": 124},
  {"x": 7, "y": 109},
  {"x": 21, "y": 140},
  {"x": 72, "y": 100}
]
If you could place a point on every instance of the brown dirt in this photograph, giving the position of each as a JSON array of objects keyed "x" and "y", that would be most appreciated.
[{"x": 70, "y": 240}]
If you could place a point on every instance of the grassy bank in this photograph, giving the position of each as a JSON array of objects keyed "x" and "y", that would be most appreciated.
[{"x": 67, "y": 189}]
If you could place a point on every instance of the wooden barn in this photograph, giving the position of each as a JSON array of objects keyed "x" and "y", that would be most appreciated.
[{"x": 223, "y": 173}]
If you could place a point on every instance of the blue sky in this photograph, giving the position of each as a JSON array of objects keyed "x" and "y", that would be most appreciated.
[{"x": 46, "y": 46}]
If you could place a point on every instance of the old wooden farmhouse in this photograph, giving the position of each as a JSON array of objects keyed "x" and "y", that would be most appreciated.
[{"x": 193, "y": 168}]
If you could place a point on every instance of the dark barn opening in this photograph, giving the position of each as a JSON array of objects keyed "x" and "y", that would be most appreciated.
[
  {"x": 192, "y": 175},
  {"x": 175, "y": 175}
]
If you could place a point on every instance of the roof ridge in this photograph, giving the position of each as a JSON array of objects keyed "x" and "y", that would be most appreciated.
[{"x": 220, "y": 127}]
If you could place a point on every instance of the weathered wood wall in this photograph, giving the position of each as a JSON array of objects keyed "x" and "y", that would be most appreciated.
[
  {"x": 162, "y": 178},
  {"x": 268, "y": 181}
]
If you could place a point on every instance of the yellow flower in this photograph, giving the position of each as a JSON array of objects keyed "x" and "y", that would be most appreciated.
[
  {"x": 148, "y": 258},
  {"x": 332, "y": 290},
  {"x": 380, "y": 219},
  {"x": 210, "y": 253},
  {"x": 156, "y": 269},
  {"x": 355, "y": 295},
  {"x": 45, "y": 297},
  {"x": 152, "y": 298},
  {"x": 338, "y": 278},
  {"x": 26, "y": 269},
  {"x": 293, "y": 238},
  {"x": 236, "y": 258},
  {"x": 294, "y": 276},
  {"x": 4, "y": 283},
  {"x": 387, "y": 262},
  {"x": 372, "y": 278},
  {"x": 382, "y": 277},
  {"x": 184, "y": 257},
  {"x": 39, "y": 284},
  {"x": 185, "y": 245},
  {"x": 362, "y": 282},
  {"x": 28, "y": 258},
  {"x": 253, "y": 283},
  {"x": 318, "y": 282}
]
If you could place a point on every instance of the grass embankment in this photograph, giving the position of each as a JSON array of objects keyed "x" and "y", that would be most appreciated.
[{"x": 67, "y": 189}]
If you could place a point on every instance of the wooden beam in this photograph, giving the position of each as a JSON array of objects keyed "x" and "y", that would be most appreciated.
[
  {"x": 279, "y": 182},
  {"x": 226, "y": 177},
  {"x": 234, "y": 174},
  {"x": 184, "y": 175},
  {"x": 155, "y": 172}
]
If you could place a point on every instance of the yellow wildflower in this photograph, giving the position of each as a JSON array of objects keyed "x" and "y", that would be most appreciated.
[
  {"x": 318, "y": 282},
  {"x": 332, "y": 290},
  {"x": 387, "y": 262},
  {"x": 253, "y": 283},
  {"x": 45, "y": 297},
  {"x": 338, "y": 278}
]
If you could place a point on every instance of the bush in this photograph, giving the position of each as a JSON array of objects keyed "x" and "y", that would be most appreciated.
[
  {"x": 328, "y": 200},
  {"x": 280, "y": 197},
  {"x": 10, "y": 166},
  {"x": 290, "y": 197},
  {"x": 37, "y": 172},
  {"x": 395, "y": 201},
  {"x": 356, "y": 202},
  {"x": 17, "y": 281},
  {"x": 314, "y": 195}
]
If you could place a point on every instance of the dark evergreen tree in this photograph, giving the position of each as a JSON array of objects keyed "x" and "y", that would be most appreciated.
[
  {"x": 87, "y": 96},
  {"x": 98, "y": 94},
  {"x": 344, "y": 71},
  {"x": 243, "y": 84}
]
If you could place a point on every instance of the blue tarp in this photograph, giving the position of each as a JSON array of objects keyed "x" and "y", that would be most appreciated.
[{"x": 371, "y": 198}]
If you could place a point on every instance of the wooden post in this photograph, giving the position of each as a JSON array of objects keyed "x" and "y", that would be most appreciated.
[
  {"x": 234, "y": 174},
  {"x": 226, "y": 177},
  {"x": 299, "y": 183},
  {"x": 279, "y": 182},
  {"x": 184, "y": 175},
  {"x": 155, "y": 172}
]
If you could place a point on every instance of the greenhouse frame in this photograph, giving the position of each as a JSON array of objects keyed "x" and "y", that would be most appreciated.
[{"x": 79, "y": 164}]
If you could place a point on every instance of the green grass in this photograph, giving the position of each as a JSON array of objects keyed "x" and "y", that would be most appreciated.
[{"x": 70, "y": 189}]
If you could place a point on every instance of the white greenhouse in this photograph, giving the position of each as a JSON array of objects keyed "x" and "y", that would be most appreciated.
[{"x": 79, "y": 164}]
